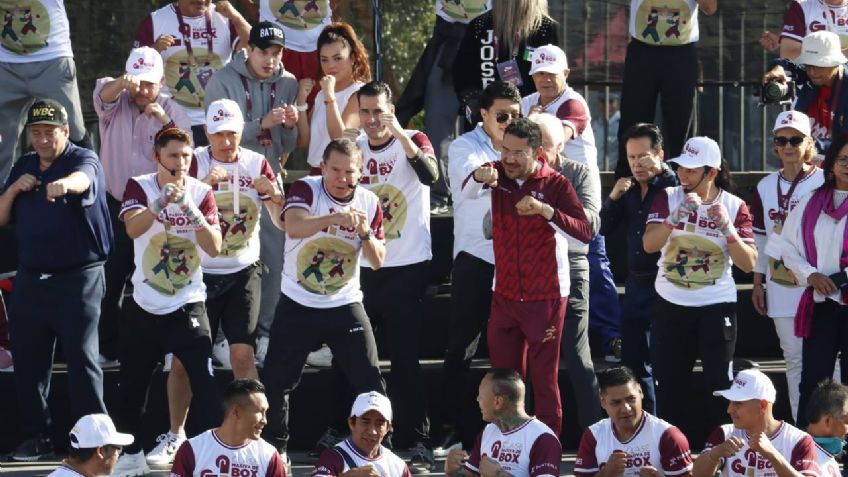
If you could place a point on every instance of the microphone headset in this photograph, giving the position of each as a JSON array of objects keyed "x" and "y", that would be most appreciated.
[
  {"x": 703, "y": 176},
  {"x": 172, "y": 171}
]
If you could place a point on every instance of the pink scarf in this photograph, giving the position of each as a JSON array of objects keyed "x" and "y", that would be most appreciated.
[{"x": 821, "y": 201}]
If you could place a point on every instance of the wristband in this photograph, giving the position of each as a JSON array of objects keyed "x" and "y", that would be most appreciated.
[
  {"x": 367, "y": 235},
  {"x": 301, "y": 107}
]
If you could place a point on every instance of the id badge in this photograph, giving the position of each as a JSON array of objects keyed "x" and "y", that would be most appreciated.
[
  {"x": 508, "y": 71},
  {"x": 203, "y": 74},
  {"x": 264, "y": 138}
]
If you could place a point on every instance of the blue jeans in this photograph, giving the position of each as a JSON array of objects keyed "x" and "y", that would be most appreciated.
[
  {"x": 604, "y": 309},
  {"x": 640, "y": 298}
]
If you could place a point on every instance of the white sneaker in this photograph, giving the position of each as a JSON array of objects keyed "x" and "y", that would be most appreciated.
[
  {"x": 164, "y": 452},
  {"x": 169, "y": 361},
  {"x": 6, "y": 363},
  {"x": 130, "y": 465},
  {"x": 286, "y": 462},
  {"x": 323, "y": 358},
  {"x": 261, "y": 350},
  {"x": 221, "y": 354}
]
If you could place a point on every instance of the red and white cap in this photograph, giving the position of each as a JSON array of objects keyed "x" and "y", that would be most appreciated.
[
  {"x": 698, "y": 152},
  {"x": 749, "y": 384},
  {"x": 372, "y": 401},
  {"x": 548, "y": 59},
  {"x": 97, "y": 430},
  {"x": 793, "y": 119},
  {"x": 145, "y": 63},
  {"x": 224, "y": 115}
]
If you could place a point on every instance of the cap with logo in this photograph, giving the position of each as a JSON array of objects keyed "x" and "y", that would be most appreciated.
[
  {"x": 747, "y": 385},
  {"x": 97, "y": 430},
  {"x": 793, "y": 119},
  {"x": 548, "y": 59},
  {"x": 821, "y": 48},
  {"x": 224, "y": 115},
  {"x": 265, "y": 34},
  {"x": 372, "y": 401},
  {"x": 47, "y": 111},
  {"x": 145, "y": 63},
  {"x": 698, "y": 152}
]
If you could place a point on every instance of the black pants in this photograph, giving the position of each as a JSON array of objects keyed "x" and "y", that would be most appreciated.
[
  {"x": 667, "y": 72},
  {"x": 119, "y": 268},
  {"x": 198, "y": 135},
  {"x": 640, "y": 299},
  {"x": 471, "y": 302},
  {"x": 828, "y": 337},
  {"x": 679, "y": 335},
  {"x": 574, "y": 347},
  {"x": 64, "y": 306},
  {"x": 145, "y": 338},
  {"x": 297, "y": 330},
  {"x": 394, "y": 300}
]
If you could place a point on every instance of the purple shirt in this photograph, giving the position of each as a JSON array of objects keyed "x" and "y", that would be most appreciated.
[{"x": 126, "y": 137}]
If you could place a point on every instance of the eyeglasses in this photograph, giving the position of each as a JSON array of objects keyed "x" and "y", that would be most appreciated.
[
  {"x": 841, "y": 161},
  {"x": 782, "y": 141},
  {"x": 505, "y": 153},
  {"x": 504, "y": 117}
]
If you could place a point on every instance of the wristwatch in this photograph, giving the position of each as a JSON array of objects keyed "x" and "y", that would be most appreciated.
[
  {"x": 367, "y": 235},
  {"x": 302, "y": 107}
]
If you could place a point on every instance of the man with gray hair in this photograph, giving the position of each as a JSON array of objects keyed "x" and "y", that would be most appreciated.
[{"x": 575, "y": 332}]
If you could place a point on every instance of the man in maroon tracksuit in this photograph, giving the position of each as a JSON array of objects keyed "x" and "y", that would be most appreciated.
[{"x": 534, "y": 212}]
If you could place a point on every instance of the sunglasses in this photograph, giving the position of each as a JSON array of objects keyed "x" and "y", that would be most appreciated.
[
  {"x": 504, "y": 117},
  {"x": 782, "y": 141}
]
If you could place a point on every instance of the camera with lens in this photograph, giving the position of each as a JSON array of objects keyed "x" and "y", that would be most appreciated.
[{"x": 776, "y": 92}]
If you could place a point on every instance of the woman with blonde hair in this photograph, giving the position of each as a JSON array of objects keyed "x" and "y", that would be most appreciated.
[
  {"x": 776, "y": 291},
  {"x": 498, "y": 43},
  {"x": 343, "y": 69}
]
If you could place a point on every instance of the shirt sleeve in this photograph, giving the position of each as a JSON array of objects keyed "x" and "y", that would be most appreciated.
[
  {"x": 569, "y": 218},
  {"x": 794, "y": 22},
  {"x": 473, "y": 462},
  {"x": 545, "y": 456},
  {"x": 791, "y": 244},
  {"x": 144, "y": 34},
  {"x": 265, "y": 170},
  {"x": 300, "y": 197},
  {"x": 105, "y": 111},
  {"x": 743, "y": 224},
  {"x": 803, "y": 458},
  {"x": 587, "y": 463},
  {"x": 209, "y": 208},
  {"x": 88, "y": 164},
  {"x": 134, "y": 198},
  {"x": 574, "y": 115},
  {"x": 423, "y": 142},
  {"x": 329, "y": 464},
  {"x": 659, "y": 208},
  {"x": 183, "y": 461},
  {"x": 176, "y": 112},
  {"x": 675, "y": 456},
  {"x": 714, "y": 439},
  {"x": 276, "y": 468}
]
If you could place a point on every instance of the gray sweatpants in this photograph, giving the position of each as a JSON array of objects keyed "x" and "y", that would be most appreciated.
[
  {"x": 21, "y": 84},
  {"x": 271, "y": 243}
]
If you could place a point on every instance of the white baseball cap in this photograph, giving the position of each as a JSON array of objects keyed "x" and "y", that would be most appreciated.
[
  {"x": 548, "y": 59},
  {"x": 97, "y": 430},
  {"x": 145, "y": 63},
  {"x": 793, "y": 119},
  {"x": 699, "y": 151},
  {"x": 749, "y": 384},
  {"x": 821, "y": 48},
  {"x": 224, "y": 115},
  {"x": 372, "y": 401}
]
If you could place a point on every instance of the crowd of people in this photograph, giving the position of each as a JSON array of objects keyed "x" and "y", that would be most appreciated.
[{"x": 185, "y": 205}]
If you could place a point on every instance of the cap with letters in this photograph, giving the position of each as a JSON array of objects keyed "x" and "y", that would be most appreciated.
[
  {"x": 47, "y": 111},
  {"x": 97, "y": 430},
  {"x": 372, "y": 401}
]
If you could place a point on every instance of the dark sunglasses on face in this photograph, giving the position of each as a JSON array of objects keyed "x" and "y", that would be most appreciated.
[
  {"x": 504, "y": 117},
  {"x": 782, "y": 141}
]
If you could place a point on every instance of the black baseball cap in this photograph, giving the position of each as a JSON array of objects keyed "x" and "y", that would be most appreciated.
[
  {"x": 47, "y": 111},
  {"x": 265, "y": 34}
]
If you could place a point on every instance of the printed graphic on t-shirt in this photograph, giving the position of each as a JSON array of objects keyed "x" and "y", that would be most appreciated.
[
  {"x": 236, "y": 228},
  {"x": 168, "y": 263},
  {"x": 664, "y": 22},
  {"x": 779, "y": 273},
  {"x": 187, "y": 83},
  {"x": 394, "y": 207},
  {"x": 692, "y": 262},
  {"x": 462, "y": 9},
  {"x": 299, "y": 14},
  {"x": 325, "y": 265},
  {"x": 26, "y": 26}
]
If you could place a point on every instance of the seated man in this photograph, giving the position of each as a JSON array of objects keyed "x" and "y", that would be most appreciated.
[
  {"x": 513, "y": 443},
  {"x": 755, "y": 440},
  {"x": 362, "y": 454},
  {"x": 235, "y": 447},
  {"x": 95, "y": 447},
  {"x": 630, "y": 441},
  {"x": 827, "y": 414}
]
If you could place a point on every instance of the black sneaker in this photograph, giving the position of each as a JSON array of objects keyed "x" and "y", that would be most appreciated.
[
  {"x": 614, "y": 352},
  {"x": 327, "y": 441},
  {"x": 422, "y": 460},
  {"x": 33, "y": 449}
]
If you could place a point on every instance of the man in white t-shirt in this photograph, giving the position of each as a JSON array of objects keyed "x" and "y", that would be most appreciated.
[
  {"x": 630, "y": 441},
  {"x": 331, "y": 224},
  {"x": 234, "y": 448},
  {"x": 36, "y": 61},
  {"x": 755, "y": 444},
  {"x": 95, "y": 447},
  {"x": 362, "y": 454},
  {"x": 513, "y": 443}
]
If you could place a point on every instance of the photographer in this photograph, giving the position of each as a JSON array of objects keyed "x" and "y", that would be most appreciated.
[{"x": 818, "y": 77}]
